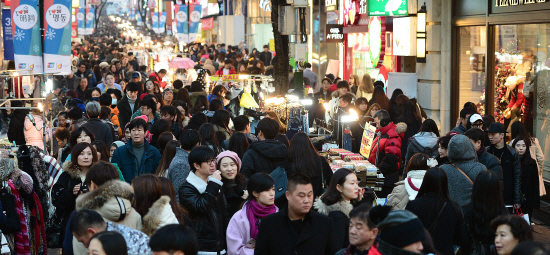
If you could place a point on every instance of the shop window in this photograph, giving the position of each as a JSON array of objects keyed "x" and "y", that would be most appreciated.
[
  {"x": 472, "y": 71},
  {"x": 522, "y": 80}
]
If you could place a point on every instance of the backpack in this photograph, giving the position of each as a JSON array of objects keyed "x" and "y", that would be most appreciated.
[{"x": 281, "y": 181}]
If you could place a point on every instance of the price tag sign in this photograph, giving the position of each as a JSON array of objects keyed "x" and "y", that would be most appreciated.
[
  {"x": 25, "y": 16},
  {"x": 58, "y": 16}
]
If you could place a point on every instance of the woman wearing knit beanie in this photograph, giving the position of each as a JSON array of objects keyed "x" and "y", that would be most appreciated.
[
  {"x": 234, "y": 183},
  {"x": 400, "y": 232}
]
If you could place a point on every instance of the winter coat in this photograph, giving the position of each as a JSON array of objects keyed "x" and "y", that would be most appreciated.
[
  {"x": 238, "y": 234},
  {"x": 491, "y": 163},
  {"x": 233, "y": 196},
  {"x": 383, "y": 248},
  {"x": 17, "y": 123},
  {"x": 194, "y": 95},
  {"x": 82, "y": 93},
  {"x": 412, "y": 129},
  {"x": 126, "y": 160},
  {"x": 361, "y": 93},
  {"x": 276, "y": 235},
  {"x": 78, "y": 123},
  {"x": 462, "y": 154},
  {"x": 34, "y": 134},
  {"x": 125, "y": 111},
  {"x": 101, "y": 130},
  {"x": 316, "y": 181},
  {"x": 460, "y": 129},
  {"x": 511, "y": 173},
  {"x": 530, "y": 187},
  {"x": 226, "y": 133},
  {"x": 220, "y": 71},
  {"x": 351, "y": 250},
  {"x": 339, "y": 213},
  {"x": 205, "y": 204},
  {"x": 537, "y": 154},
  {"x": 446, "y": 230},
  {"x": 179, "y": 169},
  {"x": 263, "y": 157},
  {"x": 389, "y": 154},
  {"x": 89, "y": 75},
  {"x": 406, "y": 190},
  {"x": 159, "y": 215},
  {"x": 423, "y": 142},
  {"x": 113, "y": 201}
]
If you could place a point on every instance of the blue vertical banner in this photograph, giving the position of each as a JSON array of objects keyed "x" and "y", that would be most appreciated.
[
  {"x": 162, "y": 22},
  {"x": 182, "y": 23},
  {"x": 138, "y": 19},
  {"x": 90, "y": 20},
  {"x": 81, "y": 18},
  {"x": 57, "y": 36},
  {"x": 194, "y": 20},
  {"x": 155, "y": 22},
  {"x": 27, "y": 42},
  {"x": 8, "y": 34}
]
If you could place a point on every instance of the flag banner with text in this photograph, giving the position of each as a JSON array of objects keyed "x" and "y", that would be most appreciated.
[
  {"x": 26, "y": 35},
  {"x": 90, "y": 20},
  {"x": 81, "y": 19},
  {"x": 155, "y": 20},
  {"x": 162, "y": 22},
  {"x": 194, "y": 20},
  {"x": 57, "y": 36},
  {"x": 8, "y": 34},
  {"x": 182, "y": 25}
]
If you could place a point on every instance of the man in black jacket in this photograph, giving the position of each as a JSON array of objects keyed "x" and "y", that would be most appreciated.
[
  {"x": 128, "y": 105},
  {"x": 509, "y": 161},
  {"x": 296, "y": 229},
  {"x": 477, "y": 136},
  {"x": 101, "y": 130},
  {"x": 266, "y": 56},
  {"x": 266, "y": 154}
]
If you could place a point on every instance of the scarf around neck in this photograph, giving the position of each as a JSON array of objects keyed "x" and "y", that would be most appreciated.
[{"x": 255, "y": 212}]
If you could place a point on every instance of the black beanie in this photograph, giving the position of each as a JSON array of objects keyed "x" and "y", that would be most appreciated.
[{"x": 401, "y": 228}]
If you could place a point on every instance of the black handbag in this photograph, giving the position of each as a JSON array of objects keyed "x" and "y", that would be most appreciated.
[
  {"x": 13, "y": 224},
  {"x": 53, "y": 233}
]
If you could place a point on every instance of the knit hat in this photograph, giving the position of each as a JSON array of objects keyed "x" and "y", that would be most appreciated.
[
  {"x": 143, "y": 117},
  {"x": 103, "y": 65},
  {"x": 401, "y": 228},
  {"x": 165, "y": 90},
  {"x": 460, "y": 148},
  {"x": 117, "y": 144},
  {"x": 203, "y": 59},
  {"x": 230, "y": 154}
]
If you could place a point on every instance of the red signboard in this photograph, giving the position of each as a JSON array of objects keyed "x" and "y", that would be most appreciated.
[
  {"x": 207, "y": 23},
  {"x": 74, "y": 30}
]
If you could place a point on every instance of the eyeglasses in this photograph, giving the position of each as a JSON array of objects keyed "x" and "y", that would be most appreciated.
[{"x": 211, "y": 161}]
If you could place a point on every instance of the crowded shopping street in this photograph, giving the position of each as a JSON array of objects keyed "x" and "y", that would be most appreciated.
[{"x": 240, "y": 127}]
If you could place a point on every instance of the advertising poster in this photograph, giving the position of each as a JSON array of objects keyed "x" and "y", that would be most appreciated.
[
  {"x": 57, "y": 36},
  {"x": 162, "y": 22},
  {"x": 182, "y": 25},
  {"x": 138, "y": 19},
  {"x": 90, "y": 20},
  {"x": 194, "y": 20},
  {"x": 366, "y": 141},
  {"x": 8, "y": 34},
  {"x": 81, "y": 20},
  {"x": 388, "y": 8},
  {"x": 156, "y": 22},
  {"x": 26, "y": 35}
]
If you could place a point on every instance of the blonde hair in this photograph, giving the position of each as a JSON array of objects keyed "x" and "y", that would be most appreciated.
[{"x": 366, "y": 84}]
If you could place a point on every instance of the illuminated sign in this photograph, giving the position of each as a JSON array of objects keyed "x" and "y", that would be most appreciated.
[
  {"x": 334, "y": 33},
  {"x": 404, "y": 36},
  {"x": 388, "y": 7},
  {"x": 331, "y": 5}
]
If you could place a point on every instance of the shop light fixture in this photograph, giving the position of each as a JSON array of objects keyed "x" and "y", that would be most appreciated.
[
  {"x": 421, "y": 35},
  {"x": 306, "y": 101}
]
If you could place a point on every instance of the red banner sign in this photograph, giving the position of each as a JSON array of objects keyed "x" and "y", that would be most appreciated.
[{"x": 207, "y": 23}]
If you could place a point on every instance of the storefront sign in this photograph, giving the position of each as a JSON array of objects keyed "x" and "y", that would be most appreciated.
[
  {"x": 265, "y": 5},
  {"x": 334, "y": 33},
  {"x": 331, "y": 5},
  {"x": 388, "y": 7},
  {"x": 501, "y": 3},
  {"x": 404, "y": 36},
  {"x": 8, "y": 34},
  {"x": 226, "y": 78},
  {"x": 372, "y": 43},
  {"x": 207, "y": 23}
]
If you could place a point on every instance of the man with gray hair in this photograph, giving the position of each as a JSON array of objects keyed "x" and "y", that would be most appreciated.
[{"x": 101, "y": 130}]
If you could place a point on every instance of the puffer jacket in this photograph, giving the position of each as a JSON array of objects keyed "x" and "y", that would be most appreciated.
[
  {"x": 462, "y": 154},
  {"x": 423, "y": 142},
  {"x": 339, "y": 213},
  {"x": 263, "y": 157},
  {"x": 205, "y": 204},
  {"x": 406, "y": 190},
  {"x": 113, "y": 201},
  {"x": 389, "y": 155},
  {"x": 159, "y": 215},
  {"x": 511, "y": 173}
]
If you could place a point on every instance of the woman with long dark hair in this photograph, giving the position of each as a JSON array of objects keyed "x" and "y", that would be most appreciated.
[
  {"x": 151, "y": 204},
  {"x": 412, "y": 118},
  {"x": 425, "y": 141},
  {"x": 167, "y": 189},
  {"x": 182, "y": 113},
  {"x": 201, "y": 104},
  {"x": 394, "y": 109},
  {"x": 529, "y": 176},
  {"x": 336, "y": 202},
  {"x": 217, "y": 93},
  {"x": 220, "y": 121},
  {"x": 167, "y": 156},
  {"x": 379, "y": 97},
  {"x": 234, "y": 183},
  {"x": 183, "y": 95},
  {"x": 196, "y": 121},
  {"x": 238, "y": 143},
  {"x": 441, "y": 216},
  {"x": 518, "y": 129},
  {"x": 108, "y": 243},
  {"x": 407, "y": 189},
  {"x": 486, "y": 204},
  {"x": 303, "y": 158},
  {"x": 209, "y": 138}
]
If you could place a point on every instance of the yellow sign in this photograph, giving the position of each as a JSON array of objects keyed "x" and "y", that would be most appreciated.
[
  {"x": 272, "y": 44},
  {"x": 366, "y": 141},
  {"x": 226, "y": 78}
]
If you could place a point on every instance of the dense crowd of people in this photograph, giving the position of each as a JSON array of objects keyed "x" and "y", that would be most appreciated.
[{"x": 153, "y": 164}]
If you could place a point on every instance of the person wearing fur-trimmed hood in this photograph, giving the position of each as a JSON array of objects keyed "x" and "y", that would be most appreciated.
[
  {"x": 407, "y": 189},
  {"x": 336, "y": 202}
]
